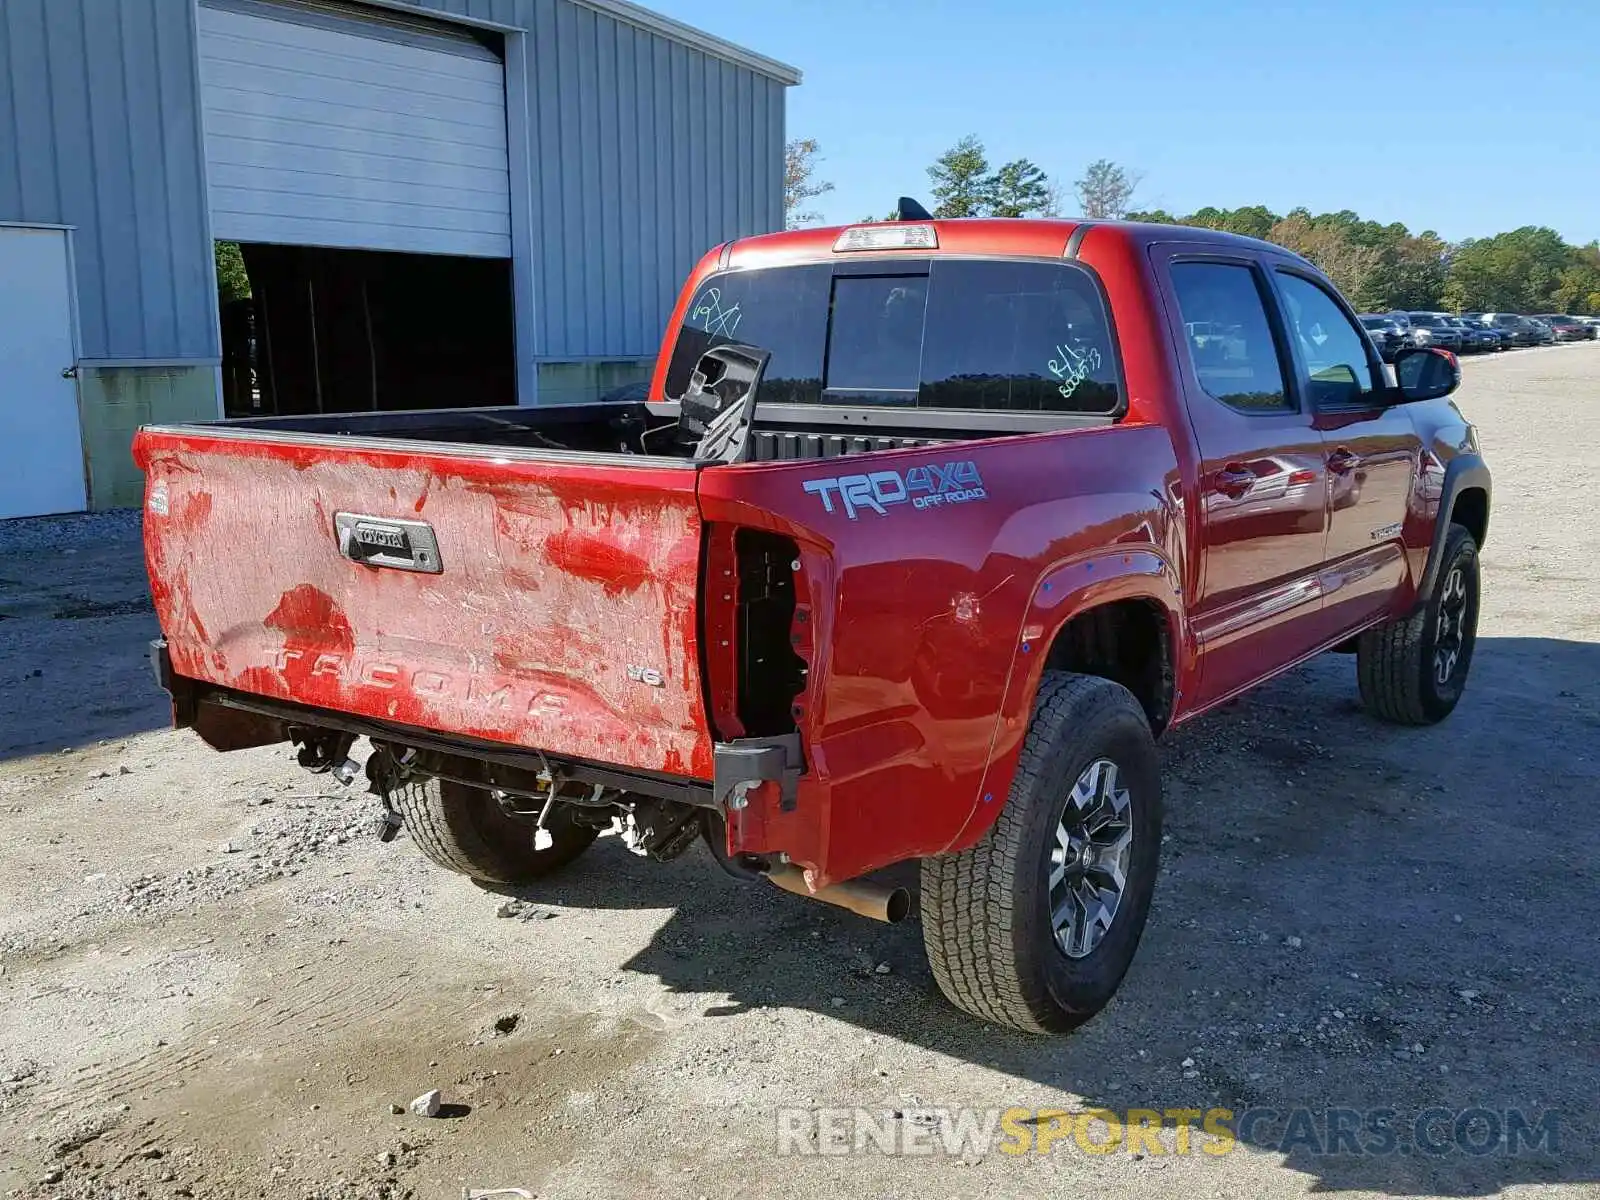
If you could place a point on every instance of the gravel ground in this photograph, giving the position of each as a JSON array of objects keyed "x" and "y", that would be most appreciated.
[
  {"x": 217, "y": 982},
  {"x": 77, "y": 532}
]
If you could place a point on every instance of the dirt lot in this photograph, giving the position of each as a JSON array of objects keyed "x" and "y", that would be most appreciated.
[{"x": 216, "y": 981}]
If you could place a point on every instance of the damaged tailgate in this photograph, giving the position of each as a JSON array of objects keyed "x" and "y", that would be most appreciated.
[{"x": 528, "y": 599}]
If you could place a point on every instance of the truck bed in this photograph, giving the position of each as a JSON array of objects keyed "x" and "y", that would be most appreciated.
[
  {"x": 626, "y": 430},
  {"x": 567, "y": 582}
]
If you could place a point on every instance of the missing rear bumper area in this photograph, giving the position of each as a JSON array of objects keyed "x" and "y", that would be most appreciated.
[{"x": 231, "y": 720}]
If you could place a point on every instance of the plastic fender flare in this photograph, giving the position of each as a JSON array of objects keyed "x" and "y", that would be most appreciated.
[
  {"x": 1464, "y": 472},
  {"x": 1064, "y": 591}
]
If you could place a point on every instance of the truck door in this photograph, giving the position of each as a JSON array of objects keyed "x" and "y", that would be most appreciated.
[
  {"x": 1263, "y": 487},
  {"x": 1371, "y": 452}
]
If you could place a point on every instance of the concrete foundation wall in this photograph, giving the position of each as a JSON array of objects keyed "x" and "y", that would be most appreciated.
[
  {"x": 585, "y": 382},
  {"x": 115, "y": 401}
]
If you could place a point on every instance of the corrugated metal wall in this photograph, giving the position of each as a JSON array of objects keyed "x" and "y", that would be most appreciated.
[
  {"x": 643, "y": 153},
  {"x": 646, "y": 153},
  {"x": 100, "y": 128}
]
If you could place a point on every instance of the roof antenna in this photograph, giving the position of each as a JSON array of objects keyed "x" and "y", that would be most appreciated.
[{"x": 909, "y": 210}]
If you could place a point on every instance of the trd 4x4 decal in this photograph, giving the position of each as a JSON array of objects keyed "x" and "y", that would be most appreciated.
[{"x": 920, "y": 487}]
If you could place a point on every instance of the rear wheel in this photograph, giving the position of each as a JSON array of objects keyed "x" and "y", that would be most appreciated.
[
  {"x": 462, "y": 829},
  {"x": 1413, "y": 671},
  {"x": 1035, "y": 926}
]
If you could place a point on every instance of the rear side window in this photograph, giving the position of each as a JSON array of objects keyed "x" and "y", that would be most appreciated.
[
  {"x": 982, "y": 334},
  {"x": 1230, "y": 341}
]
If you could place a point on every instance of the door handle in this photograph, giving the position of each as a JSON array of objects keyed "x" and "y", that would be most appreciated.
[
  {"x": 1233, "y": 480},
  {"x": 1342, "y": 461}
]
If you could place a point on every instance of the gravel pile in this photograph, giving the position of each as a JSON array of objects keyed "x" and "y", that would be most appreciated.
[
  {"x": 293, "y": 832},
  {"x": 73, "y": 532}
]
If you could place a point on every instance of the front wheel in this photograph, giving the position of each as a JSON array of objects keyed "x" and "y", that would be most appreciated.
[
  {"x": 1413, "y": 671},
  {"x": 1035, "y": 926}
]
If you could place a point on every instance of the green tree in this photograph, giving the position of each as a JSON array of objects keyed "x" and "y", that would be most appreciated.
[
  {"x": 1018, "y": 189},
  {"x": 1579, "y": 286},
  {"x": 800, "y": 182},
  {"x": 1256, "y": 222},
  {"x": 1519, "y": 271},
  {"x": 961, "y": 180},
  {"x": 233, "y": 281},
  {"x": 1414, "y": 272}
]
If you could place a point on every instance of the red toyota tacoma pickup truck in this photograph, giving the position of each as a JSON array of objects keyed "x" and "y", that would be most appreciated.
[{"x": 921, "y": 535}]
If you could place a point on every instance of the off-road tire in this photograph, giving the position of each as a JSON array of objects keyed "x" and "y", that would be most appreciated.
[
  {"x": 462, "y": 829},
  {"x": 1395, "y": 663},
  {"x": 986, "y": 921}
]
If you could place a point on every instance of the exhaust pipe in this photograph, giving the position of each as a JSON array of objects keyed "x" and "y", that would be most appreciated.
[{"x": 887, "y": 904}]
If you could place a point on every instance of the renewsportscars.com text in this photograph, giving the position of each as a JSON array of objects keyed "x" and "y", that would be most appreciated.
[{"x": 926, "y": 1132}]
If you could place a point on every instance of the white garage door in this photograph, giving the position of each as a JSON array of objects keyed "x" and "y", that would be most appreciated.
[{"x": 326, "y": 130}]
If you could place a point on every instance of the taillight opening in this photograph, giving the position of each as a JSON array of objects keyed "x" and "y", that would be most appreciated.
[{"x": 771, "y": 673}]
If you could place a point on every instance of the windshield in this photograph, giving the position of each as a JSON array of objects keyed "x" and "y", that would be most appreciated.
[
  {"x": 958, "y": 333},
  {"x": 1375, "y": 322},
  {"x": 1427, "y": 319}
]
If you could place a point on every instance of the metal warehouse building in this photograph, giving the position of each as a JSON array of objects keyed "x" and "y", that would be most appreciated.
[{"x": 431, "y": 204}]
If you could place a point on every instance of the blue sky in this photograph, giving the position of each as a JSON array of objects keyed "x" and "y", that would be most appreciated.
[{"x": 1468, "y": 117}]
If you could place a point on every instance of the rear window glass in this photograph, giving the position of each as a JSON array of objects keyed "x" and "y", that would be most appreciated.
[
  {"x": 875, "y": 338},
  {"x": 958, "y": 334}
]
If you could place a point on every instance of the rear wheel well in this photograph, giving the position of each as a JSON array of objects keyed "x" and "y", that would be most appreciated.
[
  {"x": 1126, "y": 641},
  {"x": 1472, "y": 511}
]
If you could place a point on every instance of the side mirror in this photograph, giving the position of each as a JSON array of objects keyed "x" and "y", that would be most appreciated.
[{"x": 1425, "y": 373}]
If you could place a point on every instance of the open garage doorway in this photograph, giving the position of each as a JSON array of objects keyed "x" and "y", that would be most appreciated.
[
  {"x": 308, "y": 329},
  {"x": 358, "y": 170}
]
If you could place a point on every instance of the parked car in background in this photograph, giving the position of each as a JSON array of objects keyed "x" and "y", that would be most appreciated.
[
  {"x": 1568, "y": 329},
  {"x": 1386, "y": 334},
  {"x": 1430, "y": 329},
  {"x": 1519, "y": 328},
  {"x": 1545, "y": 336},
  {"x": 1498, "y": 339},
  {"x": 1475, "y": 338}
]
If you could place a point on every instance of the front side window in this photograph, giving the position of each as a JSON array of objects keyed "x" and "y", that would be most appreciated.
[
  {"x": 1230, "y": 341},
  {"x": 972, "y": 334},
  {"x": 1337, "y": 371}
]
